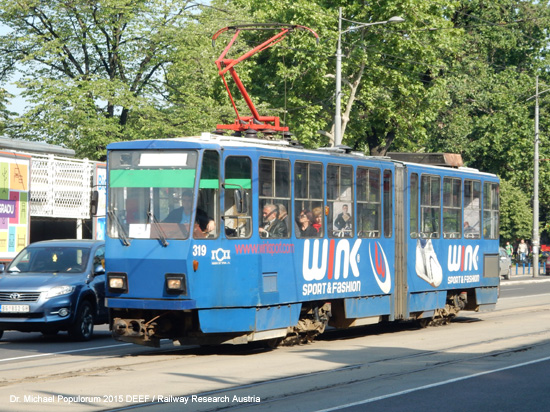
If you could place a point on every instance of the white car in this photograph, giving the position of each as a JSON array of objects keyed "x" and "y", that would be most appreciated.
[{"x": 505, "y": 263}]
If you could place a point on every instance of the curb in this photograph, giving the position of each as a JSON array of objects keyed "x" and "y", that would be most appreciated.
[{"x": 525, "y": 279}]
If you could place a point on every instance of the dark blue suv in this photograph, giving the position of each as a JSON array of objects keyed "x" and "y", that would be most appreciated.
[{"x": 55, "y": 285}]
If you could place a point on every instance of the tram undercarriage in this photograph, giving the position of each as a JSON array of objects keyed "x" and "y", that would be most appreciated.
[{"x": 148, "y": 327}]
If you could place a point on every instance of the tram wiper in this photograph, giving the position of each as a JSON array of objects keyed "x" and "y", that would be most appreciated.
[
  {"x": 122, "y": 232},
  {"x": 155, "y": 222}
]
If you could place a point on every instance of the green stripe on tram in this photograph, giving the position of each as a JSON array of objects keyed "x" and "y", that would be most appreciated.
[
  {"x": 152, "y": 178},
  {"x": 237, "y": 183},
  {"x": 209, "y": 184}
]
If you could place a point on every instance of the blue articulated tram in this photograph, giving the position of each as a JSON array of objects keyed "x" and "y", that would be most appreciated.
[{"x": 217, "y": 239}]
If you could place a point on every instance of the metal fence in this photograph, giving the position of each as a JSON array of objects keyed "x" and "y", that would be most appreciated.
[{"x": 60, "y": 187}]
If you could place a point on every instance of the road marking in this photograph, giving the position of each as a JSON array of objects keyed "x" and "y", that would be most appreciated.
[
  {"x": 433, "y": 385},
  {"x": 64, "y": 352}
]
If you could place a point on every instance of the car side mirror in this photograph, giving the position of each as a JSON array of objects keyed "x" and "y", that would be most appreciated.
[
  {"x": 99, "y": 270},
  {"x": 2, "y": 267}
]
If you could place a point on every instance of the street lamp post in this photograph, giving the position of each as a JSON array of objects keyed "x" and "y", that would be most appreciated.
[
  {"x": 338, "y": 113},
  {"x": 536, "y": 239}
]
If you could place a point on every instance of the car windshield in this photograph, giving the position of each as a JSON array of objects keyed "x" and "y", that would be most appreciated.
[{"x": 49, "y": 259}]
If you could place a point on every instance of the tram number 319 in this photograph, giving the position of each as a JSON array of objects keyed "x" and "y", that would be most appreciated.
[{"x": 199, "y": 250}]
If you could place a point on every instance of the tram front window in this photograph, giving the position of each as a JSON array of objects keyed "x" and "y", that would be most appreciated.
[{"x": 151, "y": 194}]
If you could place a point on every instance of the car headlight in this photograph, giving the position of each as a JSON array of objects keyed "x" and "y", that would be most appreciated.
[{"x": 59, "y": 291}]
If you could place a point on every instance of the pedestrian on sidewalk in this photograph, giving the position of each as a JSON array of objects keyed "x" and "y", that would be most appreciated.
[
  {"x": 523, "y": 251},
  {"x": 509, "y": 250}
]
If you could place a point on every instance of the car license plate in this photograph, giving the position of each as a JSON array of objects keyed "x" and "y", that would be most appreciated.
[{"x": 14, "y": 308}]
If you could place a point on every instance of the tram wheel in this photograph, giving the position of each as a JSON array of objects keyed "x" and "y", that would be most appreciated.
[
  {"x": 273, "y": 343},
  {"x": 424, "y": 322}
]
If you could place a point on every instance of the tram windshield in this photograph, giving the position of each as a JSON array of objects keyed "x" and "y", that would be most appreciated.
[{"x": 151, "y": 194}]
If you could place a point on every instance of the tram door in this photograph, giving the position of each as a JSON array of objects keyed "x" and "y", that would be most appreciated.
[
  {"x": 234, "y": 260},
  {"x": 274, "y": 223},
  {"x": 237, "y": 207},
  {"x": 401, "y": 287}
]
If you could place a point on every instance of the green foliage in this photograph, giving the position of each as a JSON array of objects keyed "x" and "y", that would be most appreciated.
[
  {"x": 92, "y": 71},
  {"x": 391, "y": 67},
  {"x": 516, "y": 217},
  {"x": 198, "y": 100},
  {"x": 290, "y": 80},
  {"x": 4, "y": 113}
]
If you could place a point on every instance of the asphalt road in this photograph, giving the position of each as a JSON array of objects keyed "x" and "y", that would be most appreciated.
[{"x": 518, "y": 387}]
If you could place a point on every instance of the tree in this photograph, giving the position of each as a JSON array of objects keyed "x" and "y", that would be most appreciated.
[
  {"x": 195, "y": 93},
  {"x": 289, "y": 79},
  {"x": 4, "y": 113},
  {"x": 92, "y": 71},
  {"x": 281, "y": 80},
  {"x": 516, "y": 217},
  {"x": 486, "y": 116},
  {"x": 389, "y": 72}
]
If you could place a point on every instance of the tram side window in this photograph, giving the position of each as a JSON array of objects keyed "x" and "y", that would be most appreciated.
[
  {"x": 308, "y": 199},
  {"x": 452, "y": 208},
  {"x": 340, "y": 200},
  {"x": 237, "y": 216},
  {"x": 388, "y": 203},
  {"x": 490, "y": 210},
  {"x": 208, "y": 202},
  {"x": 274, "y": 182},
  {"x": 472, "y": 209},
  {"x": 368, "y": 202},
  {"x": 414, "y": 206},
  {"x": 430, "y": 204}
]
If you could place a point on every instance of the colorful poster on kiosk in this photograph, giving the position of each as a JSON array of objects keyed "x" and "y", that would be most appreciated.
[{"x": 14, "y": 203}]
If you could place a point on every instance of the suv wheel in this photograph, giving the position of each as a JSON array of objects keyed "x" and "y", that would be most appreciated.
[{"x": 83, "y": 326}]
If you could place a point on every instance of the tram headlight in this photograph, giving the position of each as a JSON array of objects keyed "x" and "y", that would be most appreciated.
[
  {"x": 175, "y": 283},
  {"x": 117, "y": 282}
]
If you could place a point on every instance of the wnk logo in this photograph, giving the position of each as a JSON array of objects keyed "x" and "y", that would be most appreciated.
[
  {"x": 462, "y": 258},
  {"x": 336, "y": 259},
  {"x": 380, "y": 267}
]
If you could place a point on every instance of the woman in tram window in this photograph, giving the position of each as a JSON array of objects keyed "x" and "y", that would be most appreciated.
[{"x": 305, "y": 224}]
